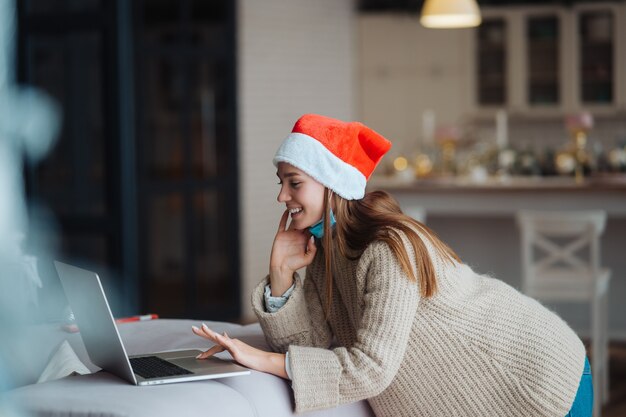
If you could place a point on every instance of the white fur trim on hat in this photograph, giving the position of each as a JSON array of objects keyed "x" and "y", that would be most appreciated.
[{"x": 308, "y": 154}]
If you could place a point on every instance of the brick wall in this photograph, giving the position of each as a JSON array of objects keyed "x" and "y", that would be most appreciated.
[{"x": 294, "y": 57}]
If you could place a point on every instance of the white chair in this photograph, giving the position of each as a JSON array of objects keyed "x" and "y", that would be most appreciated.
[{"x": 555, "y": 268}]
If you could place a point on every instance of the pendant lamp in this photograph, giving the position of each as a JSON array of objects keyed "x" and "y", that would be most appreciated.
[{"x": 450, "y": 14}]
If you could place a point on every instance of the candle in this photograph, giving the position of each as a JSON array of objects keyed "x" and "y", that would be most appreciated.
[
  {"x": 428, "y": 127},
  {"x": 502, "y": 134}
]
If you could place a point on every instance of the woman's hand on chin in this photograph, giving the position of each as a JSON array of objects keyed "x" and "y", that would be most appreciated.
[{"x": 292, "y": 249}]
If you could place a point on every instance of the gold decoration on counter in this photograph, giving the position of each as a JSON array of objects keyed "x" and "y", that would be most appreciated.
[
  {"x": 401, "y": 169},
  {"x": 581, "y": 157},
  {"x": 579, "y": 125},
  {"x": 400, "y": 163},
  {"x": 448, "y": 138},
  {"x": 565, "y": 163},
  {"x": 423, "y": 166},
  {"x": 617, "y": 158}
]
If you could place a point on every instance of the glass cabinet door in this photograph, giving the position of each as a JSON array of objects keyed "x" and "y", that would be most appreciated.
[
  {"x": 546, "y": 60},
  {"x": 213, "y": 267},
  {"x": 72, "y": 179},
  {"x": 491, "y": 62},
  {"x": 188, "y": 187},
  {"x": 165, "y": 265},
  {"x": 209, "y": 122},
  {"x": 543, "y": 34},
  {"x": 163, "y": 150},
  {"x": 596, "y": 55}
]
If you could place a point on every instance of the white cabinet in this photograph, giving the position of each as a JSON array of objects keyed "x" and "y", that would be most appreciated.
[{"x": 547, "y": 61}]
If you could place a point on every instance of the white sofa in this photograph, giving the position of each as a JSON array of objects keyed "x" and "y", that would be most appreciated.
[{"x": 102, "y": 394}]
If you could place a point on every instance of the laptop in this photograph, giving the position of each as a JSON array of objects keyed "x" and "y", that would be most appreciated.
[{"x": 105, "y": 348}]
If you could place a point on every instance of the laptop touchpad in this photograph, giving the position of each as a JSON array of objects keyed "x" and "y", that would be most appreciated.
[{"x": 197, "y": 365}]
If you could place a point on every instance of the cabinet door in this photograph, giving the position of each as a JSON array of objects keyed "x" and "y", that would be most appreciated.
[
  {"x": 491, "y": 62},
  {"x": 188, "y": 165},
  {"x": 519, "y": 60},
  {"x": 552, "y": 60},
  {"x": 596, "y": 56},
  {"x": 543, "y": 33}
]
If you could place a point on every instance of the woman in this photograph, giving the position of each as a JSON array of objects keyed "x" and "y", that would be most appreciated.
[{"x": 387, "y": 311}]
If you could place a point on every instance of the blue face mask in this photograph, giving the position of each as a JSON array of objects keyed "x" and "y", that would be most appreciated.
[{"x": 317, "y": 229}]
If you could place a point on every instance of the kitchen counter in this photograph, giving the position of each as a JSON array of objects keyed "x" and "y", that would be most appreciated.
[{"x": 455, "y": 195}]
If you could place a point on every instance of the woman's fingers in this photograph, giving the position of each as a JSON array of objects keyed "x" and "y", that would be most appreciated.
[
  {"x": 283, "y": 221},
  {"x": 197, "y": 331},
  {"x": 212, "y": 351},
  {"x": 222, "y": 342},
  {"x": 210, "y": 334},
  {"x": 206, "y": 329},
  {"x": 205, "y": 332},
  {"x": 200, "y": 332},
  {"x": 310, "y": 251},
  {"x": 310, "y": 246}
]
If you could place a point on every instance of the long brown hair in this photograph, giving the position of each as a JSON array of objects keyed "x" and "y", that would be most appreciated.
[{"x": 378, "y": 216}]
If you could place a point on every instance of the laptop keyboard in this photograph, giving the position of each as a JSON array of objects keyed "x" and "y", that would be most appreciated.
[{"x": 155, "y": 367}]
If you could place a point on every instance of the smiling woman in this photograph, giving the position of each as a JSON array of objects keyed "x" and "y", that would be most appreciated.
[
  {"x": 387, "y": 311},
  {"x": 303, "y": 196}
]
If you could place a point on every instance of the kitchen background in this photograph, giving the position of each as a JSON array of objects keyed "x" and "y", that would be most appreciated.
[{"x": 162, "y": 177}]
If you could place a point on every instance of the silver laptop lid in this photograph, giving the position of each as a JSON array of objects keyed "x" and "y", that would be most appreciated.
[{"x": 95, "y": 321}]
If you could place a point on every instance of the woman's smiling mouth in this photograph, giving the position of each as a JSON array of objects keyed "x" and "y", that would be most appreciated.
[{"x": 295, "y": 212}]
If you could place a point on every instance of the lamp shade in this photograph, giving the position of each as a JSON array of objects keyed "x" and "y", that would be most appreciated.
[{"x": 450, "y": 14}]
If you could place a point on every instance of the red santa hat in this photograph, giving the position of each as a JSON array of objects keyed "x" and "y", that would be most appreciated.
[{"x": 340, "y": 155}]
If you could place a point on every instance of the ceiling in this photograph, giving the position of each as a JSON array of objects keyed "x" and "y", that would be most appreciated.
[{"x": 414, "y": 6}]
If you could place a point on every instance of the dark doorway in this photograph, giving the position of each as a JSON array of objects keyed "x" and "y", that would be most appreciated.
[{"x": 143, "y": 181}]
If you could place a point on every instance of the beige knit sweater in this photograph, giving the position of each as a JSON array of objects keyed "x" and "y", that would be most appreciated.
[{"x": 477, "y": 348}]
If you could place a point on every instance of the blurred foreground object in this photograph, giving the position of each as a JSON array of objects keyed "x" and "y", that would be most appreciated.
[{"x": 29, "y": 123}]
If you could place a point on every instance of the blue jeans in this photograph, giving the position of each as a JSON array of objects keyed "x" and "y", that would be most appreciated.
[{"x": 583, "y": 403}]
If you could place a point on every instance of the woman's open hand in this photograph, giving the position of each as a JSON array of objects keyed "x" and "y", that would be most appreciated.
[
  {"x": 292, "y": 250},
  {"x": 243, "y": 353}
]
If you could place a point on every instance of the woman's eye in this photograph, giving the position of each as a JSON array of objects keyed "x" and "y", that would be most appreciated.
[{"x": 293, "y": 184}]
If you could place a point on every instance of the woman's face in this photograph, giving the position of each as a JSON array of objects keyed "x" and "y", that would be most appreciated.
[{"x": 303, "y": 196}]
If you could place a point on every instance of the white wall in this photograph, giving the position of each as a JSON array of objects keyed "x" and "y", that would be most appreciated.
[
  {"x": 405, "y": 69},
  {"x": 294, "y": 57}
]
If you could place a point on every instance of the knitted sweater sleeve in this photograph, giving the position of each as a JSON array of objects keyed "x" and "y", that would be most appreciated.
[
  {"x": 300, "y": 321},
  {"x": 324, "y": 378}
]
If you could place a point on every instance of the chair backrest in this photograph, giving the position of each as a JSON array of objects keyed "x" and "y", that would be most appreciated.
[{"x": 561, "y": 236}]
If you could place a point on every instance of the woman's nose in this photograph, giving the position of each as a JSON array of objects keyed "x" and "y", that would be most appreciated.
[{"x": 283, "y": 195}]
